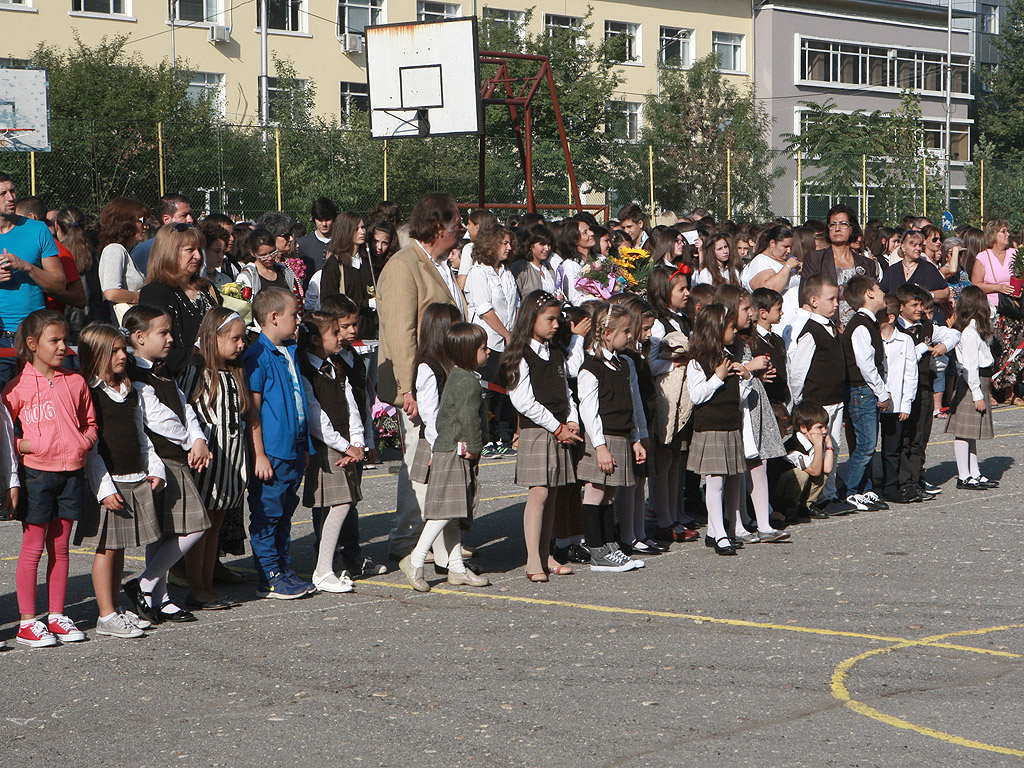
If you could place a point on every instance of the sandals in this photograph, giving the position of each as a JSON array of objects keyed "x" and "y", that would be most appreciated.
[
  {"x": 561, "y": 570},
  {"x": 537, "y": 578}
]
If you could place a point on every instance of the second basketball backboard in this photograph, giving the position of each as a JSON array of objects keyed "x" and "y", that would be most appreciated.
[{"x": 24, "y": 110}]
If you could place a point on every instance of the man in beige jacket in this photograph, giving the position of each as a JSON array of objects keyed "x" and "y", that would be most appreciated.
[{"x": 413, "y": 279}]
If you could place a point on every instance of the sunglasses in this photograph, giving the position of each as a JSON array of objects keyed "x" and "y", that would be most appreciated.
[{"x": 183, "y": 227}]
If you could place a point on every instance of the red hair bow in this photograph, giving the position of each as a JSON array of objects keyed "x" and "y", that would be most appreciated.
[{"x": 682, "y": 269}]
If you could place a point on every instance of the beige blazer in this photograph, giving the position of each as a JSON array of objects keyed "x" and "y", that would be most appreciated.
[{"x": 408, "y": 284}]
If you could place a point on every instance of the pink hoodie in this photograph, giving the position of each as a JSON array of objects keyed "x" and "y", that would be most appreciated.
[{"x": 56, "y": 417}]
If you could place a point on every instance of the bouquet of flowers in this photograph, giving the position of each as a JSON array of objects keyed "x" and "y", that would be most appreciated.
[
  {"x": 237, "y": 297},
  {"x": 625, "y": 271},
  {"x": 385, "y": 424},
  {"x": 297, "y": 266}
]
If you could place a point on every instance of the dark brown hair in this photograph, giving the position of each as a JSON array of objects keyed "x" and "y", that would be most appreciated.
[
  {"x": 488, "y": 242},
  {"x": 118, "y": 221},
  {"x": 462, "y": 343},
  {"x": 32, "y": 327},
  {"x": 431, "y": 213},
  {"x": 706, "y": 345}
]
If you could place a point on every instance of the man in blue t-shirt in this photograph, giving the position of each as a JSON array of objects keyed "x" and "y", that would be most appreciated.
[{"x": 29, "y": 266}]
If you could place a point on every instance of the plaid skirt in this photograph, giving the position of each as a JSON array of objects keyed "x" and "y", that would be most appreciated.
[
  {"x": 543, "y": 461},
  {"x": 717, "y": 453},
  {"x": 179, "y": 507},
  {"x": 452, "y": 489},
  {"x": 621, "y": 450},
  {"x": 965, "y": 422},
  {"x": 420, "y": 470},
  {"x": 326, "y": 484},
  {"x": 136, "y": 525}
]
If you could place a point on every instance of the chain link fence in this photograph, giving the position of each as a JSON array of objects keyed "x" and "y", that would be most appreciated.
[{"x": 246, "y": 170}]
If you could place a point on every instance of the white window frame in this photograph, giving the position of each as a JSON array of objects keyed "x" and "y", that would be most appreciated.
[
  {"x": 271, "y": 88},
  {"x": 632, "y": 112},
  {"x": 740, "y": 50},
  {"x": 676, "y": 35},
  {"x": 439, "y": 12},
  {"x": 215, "y": 86},
  {"x": 836, "y": 50},
  {"x": 989, "y": 18},
  {"x": 513, "y": 20},
  {"x": 375, "y": 15},
  {"x": 212, "y": 19},
  {"x": 302, "y": 20},
  {"x": 125, "y": 15},
  {"x": 23, "y": 6},
  {"x": 634, "y": 43},
  {"x": 347, "y": 96}
]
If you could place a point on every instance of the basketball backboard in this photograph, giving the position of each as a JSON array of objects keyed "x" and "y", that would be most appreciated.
[
  {"x": 424, "y": 79},
  {"x": 24, "y": 110}
]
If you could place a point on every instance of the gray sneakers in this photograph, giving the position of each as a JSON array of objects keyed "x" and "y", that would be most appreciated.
[
  {"x": 772, "y": 534},
  {"x": 611, "y": 559},
  {"x": 118, "y": 626}
]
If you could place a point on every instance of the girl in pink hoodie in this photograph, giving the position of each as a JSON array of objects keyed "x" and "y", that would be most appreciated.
[{"x": 56, "y": 424}]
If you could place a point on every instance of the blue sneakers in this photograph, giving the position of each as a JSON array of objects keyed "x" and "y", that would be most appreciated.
[{"x": 282, "y": 587}]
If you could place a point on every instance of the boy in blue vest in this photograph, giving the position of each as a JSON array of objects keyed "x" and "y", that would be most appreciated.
[{"x": 280, "y": 442}]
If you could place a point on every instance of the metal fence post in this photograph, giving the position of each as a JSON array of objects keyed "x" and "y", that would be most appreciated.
[
  {"x": 864, "y": 188},
  {"x": 983, "y": 191},
  {"x": 924, "y": 184},
  {"x": 385, "y": 170},
  {"x": 650, "y": 171},
  {"x": 277, "y": 153},
  {"x": 160, "y": 153},
  {"x": 728, "y": 183},
  {"x": 799, "y": 185},
  {"x": 32, "y": 172}
]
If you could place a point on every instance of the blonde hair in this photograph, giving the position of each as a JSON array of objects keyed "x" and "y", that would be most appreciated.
[
  {"x": 604, "y": 317},
  {"x": 163, "y": 259},
  {"x": 992, "y": 227},
  {"x": 96, "y": 347}
]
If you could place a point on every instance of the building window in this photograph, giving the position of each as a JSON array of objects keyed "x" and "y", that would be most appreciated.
[
  {"x": 628, "y": 36},
  {"x": 553, "y": 23},
  {"x": 208, "y": 85},
  {"x": 354, "y": 96},
  {"x": 499, "y": 18},
  {"x": 21, "y": 3},
  {"x": 624, "y": 119},
  {"x": 354, "y": 16},
  {"x": 426, "y": 10},
  {"x": 859, "y": 65},
  {"x": 15, "y": 63},
  {"x": 959, "y": 139},
  {"x": 988, "y": 17},
  {"x": 108, "y": 7},
  {"x": 283, "y": 15},
  {"x": 729, "y": 50},
  {"x": 675, "y": 47},
  {"x": 278, "y": 98},
  {"x": 207, "y": 11}
]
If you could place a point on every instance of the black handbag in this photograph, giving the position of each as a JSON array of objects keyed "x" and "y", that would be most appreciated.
[{"x": 1009, "y": 307}]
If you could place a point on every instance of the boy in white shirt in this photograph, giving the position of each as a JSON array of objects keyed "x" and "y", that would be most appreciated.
[{"x": 901, "y": 379}]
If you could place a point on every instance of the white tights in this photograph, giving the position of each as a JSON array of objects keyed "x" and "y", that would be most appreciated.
[
  {"x": 160, "y": 556},
  {"x": 452, "y": 538},
  {"x": 759, "y": 495},
  {"x": 329, "y": 534},
  {"x": 966, "y": 452},
  {"x": 722, "y": 498}
]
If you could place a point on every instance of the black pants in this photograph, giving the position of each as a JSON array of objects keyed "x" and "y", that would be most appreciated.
[
  {"x": 917, "y": 430},
  {"x": 892, "y": 441},
  {"x": 502, "y": 427}
]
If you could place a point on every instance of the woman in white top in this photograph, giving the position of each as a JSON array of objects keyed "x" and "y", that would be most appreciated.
[
  {"x": 493, "y": 299},
  {"x": 574, "y": 242},
  {"x": 122, "y": 227},
  {"x": 775, "y": 266},
  {"x": 719, "y": 261}
]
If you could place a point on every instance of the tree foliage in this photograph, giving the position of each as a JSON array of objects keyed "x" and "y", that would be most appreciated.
[
  {"x": 692, "y": 124},
  {"x": 1002, "y": 110}
]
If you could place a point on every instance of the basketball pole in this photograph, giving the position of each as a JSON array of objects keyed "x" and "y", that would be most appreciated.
[
  {"x": 385, "y": 170},
  {"x": 277, "y": 155},
  {"x": 32, "y": 172}
]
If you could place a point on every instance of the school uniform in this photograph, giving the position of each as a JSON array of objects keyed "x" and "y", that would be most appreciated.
[
  {"x": 122, "y": 461},
  {"x": 172, "y": 427},
  {"x": 612, "y": 416},
  {"x": 648, "y": 392},
  {"x": 816, "y": 369},
  {"x": 335, "y": 426},
  {"x": 795, "y": 487},
  {"x": 670, "y": 322},
  {"x": 461, "y": 417},
  {"x": 917, "y": 429},
  {"x": 901, "y": 375},
  {"x": 544, "y": 402},
  {"x": 430, "y": 381},
  {"x": 973, "y": 383},
  {"x": 767, "y": 342},
  {"x": 716, "y": 447},
  {"x": 865, "y": 374}
]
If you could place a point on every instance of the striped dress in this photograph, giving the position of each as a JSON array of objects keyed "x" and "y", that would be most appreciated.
[{"x": 223, "y": 482}]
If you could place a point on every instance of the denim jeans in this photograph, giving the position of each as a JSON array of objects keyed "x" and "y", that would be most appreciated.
[
  {"x": 862, "y": 411},
  {"x": 271, "y": 506},
  {"x": 8, "y": 365}
]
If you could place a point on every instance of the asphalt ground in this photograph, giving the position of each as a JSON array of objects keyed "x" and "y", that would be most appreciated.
[{"x": 892, "y": 638}]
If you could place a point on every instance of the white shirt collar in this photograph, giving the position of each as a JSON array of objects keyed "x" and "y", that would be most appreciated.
[
  {"x": 539, "y": 346},
  {"x": 143, "y": 362},
  {"x": 820, "y": 318},
  {"x": 321, "y": 237},
  {"x": 868, "y": 312},
  {"x": 803, "y": 440},
  {"x": 904, "y": 323},
  {"x": 763, "y": 332}
]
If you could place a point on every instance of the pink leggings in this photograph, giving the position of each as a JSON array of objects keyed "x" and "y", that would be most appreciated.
[{"x": 55, "y": 536}]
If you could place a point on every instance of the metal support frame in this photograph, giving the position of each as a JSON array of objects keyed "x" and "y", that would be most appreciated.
[{"x": 517, "y": 92}]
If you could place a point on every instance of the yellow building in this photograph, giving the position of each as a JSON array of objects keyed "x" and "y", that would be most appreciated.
[{"x": 221, "y": 39}]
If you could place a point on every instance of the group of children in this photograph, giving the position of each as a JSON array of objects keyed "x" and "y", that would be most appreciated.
[{"x": 683, "y": 388}]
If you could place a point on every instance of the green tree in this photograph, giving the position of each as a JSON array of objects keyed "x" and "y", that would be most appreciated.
[
  {"x": 697, "y": 119},
  {"x": 1002, "y": 109}
]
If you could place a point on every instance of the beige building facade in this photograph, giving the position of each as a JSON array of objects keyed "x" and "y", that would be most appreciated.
[{"x": 221, "y": 39}]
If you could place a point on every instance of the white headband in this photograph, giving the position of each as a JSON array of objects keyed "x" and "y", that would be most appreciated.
[{"x": 229, "y": 319}]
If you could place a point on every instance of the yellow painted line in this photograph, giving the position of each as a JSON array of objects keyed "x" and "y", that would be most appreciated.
[{"x": 842, "y": 692}]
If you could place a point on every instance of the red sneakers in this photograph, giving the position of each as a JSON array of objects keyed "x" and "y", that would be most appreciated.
[
  {"x": 64, "y": 629},
  {"x": 35, "y": 635}
]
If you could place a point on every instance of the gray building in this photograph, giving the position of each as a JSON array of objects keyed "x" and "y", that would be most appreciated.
[{"x": 861, "y": 54}]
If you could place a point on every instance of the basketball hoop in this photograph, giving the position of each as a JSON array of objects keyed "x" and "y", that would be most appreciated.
[
  {"x": 8, "y": 136},
  {"x": 24, "y": 110}
]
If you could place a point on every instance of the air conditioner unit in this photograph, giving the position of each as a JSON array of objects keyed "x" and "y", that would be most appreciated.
[
  {"x": 219, "y": 34},
  {"x": 351, "y": 43}
]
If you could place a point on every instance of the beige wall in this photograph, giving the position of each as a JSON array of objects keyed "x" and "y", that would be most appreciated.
[{"x": 316, "y": 51}]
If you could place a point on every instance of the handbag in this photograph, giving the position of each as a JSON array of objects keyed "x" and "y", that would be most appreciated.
[{"x": 1007, "y": 306}]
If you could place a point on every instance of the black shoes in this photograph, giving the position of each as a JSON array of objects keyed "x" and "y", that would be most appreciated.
[
  {"x": 179, "y": 616},
  {"x": 906, "y": 495},
  {"x": 723, "y": 549},
  {"x": 134, "y": 592}
]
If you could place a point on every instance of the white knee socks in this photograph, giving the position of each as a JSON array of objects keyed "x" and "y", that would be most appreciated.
[
  {"x": 329, "y": 534},
  {"x": 160, "y": 556}
]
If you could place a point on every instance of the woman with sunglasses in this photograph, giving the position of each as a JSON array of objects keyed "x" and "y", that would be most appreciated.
[
  {"x": 267, "y": 268},
  {"x": 838, "y": 259},
  {"x": 176, "y": 285},
  {"x": 932, "y": 244}
]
